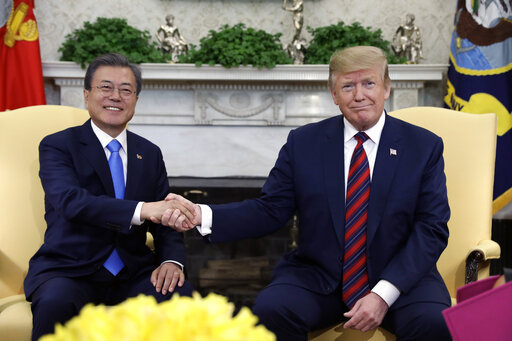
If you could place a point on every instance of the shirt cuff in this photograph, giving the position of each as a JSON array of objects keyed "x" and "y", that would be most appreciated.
[
  {"x": 387, "y": 291},
  {"x": 206, "y": 220},
  {"x": 136, "y": 215},
  {"x": 175, "y": 262}
]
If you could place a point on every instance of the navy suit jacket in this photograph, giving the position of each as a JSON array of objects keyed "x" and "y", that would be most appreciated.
[
  {"x": 85, "y": 221},
  {"x": 407, "y": 215}
]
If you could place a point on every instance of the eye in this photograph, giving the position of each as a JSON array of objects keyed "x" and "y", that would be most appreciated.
[
  {"x": 347, "y": 87},
  {"x": 369, "y": 84},
  {"x": 106, "y": 88},
  {"x": 125, "y": 91}
]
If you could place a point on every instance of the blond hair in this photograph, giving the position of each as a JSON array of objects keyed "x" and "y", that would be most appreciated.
[{"x": 358, "y": 58}]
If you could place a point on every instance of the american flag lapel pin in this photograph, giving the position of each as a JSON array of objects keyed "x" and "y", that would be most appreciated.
[
  {"x": 139, "y": 156},
  {"x": 392, "y": 151}
]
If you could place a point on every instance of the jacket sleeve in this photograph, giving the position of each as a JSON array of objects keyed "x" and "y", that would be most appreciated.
[{"x": 65, "y": 194}]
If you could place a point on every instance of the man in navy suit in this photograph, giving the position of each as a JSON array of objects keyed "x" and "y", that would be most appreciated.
[
  {"x": 405, "y": 219},
  {"x": 94, "y": 247}
]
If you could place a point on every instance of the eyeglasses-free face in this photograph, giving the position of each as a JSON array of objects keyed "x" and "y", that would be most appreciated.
[
  {"x": 361, "y": 95},
  {"x": 111, "y": 110}
]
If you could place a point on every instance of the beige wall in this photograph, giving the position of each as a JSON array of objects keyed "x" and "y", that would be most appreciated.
[{"x": 195, "y": 18}]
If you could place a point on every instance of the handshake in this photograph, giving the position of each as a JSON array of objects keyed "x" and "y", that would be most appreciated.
[{"x": 175, "y": 211}]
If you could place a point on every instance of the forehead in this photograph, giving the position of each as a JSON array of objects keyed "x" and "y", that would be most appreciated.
[
  {"x": 371, "y": 73},
  {"x": 114, "y": 74}
]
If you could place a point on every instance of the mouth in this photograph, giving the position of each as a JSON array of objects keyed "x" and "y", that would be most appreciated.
[
  {"x": 112, "y": 108},
  {"x": 361, "y": 107}
]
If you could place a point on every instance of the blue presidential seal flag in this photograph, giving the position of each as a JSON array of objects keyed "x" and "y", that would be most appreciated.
[{"x": 480, "y": 77}]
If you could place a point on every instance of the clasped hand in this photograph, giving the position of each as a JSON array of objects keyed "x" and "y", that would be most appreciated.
[{"x": 175, "y": 211}]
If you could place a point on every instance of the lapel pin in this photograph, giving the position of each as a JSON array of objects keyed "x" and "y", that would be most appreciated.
[
  {"x": 392, "y": 151},
  {"x": 139, "y": 157}
]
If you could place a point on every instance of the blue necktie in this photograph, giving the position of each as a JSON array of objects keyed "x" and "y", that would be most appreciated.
[{"x": 114, "y": 264}]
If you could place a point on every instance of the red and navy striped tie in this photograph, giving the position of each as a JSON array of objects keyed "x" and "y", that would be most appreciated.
[{"x": 355, "y": 274}]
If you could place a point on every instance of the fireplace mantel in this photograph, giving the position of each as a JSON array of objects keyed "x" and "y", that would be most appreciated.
[{"x": 215, "y": 122}]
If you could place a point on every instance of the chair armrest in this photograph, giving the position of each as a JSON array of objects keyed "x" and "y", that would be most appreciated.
[
  {"x": 489, "y": 249},
  {"x": 10, "y": 300},
  {"x": 150, "y": 242},
  {"x": 484, "y": 251}
]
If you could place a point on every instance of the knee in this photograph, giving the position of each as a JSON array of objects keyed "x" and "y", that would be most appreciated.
[
  {"x": 268, "y": 310},
  {"x": 53, "y": 301},
  {"x": 426, "y": 325},
  {"x": 434, "y": 328}
]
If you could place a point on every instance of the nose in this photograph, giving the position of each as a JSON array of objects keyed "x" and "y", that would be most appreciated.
[
  {"x": 115, "y": 95},
  {"x": 358, "y": 92}
]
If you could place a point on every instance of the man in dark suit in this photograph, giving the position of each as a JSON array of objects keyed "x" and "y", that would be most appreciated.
[
  {"x": 370, "y": 193},
  {"x": 103, "y": 185}
]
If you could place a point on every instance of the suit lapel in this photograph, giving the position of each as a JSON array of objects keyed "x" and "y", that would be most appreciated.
[
  {"x": 135, "y": 165},
  {"x": 386, "y": 162},
  {"x": 91, "y": 149},
  {"x": 334, "y": 175}
]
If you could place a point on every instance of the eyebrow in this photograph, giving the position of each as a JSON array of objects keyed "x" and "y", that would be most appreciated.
[
  {"x": 365, "y": 79},
  {"x": 107, "y": 81}
]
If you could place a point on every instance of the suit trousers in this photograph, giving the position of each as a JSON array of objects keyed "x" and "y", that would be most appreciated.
[
  {"x": 290, "y": 312},
  {"x": 61, "y": 298}
]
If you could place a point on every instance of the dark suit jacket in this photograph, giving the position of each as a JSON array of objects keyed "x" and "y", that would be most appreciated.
[
  {"x": 85, "y": 221},
  {"x": 407, "y": 215}
]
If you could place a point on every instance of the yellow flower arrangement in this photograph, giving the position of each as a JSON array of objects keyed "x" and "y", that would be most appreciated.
[{"x": 181, "y": 318}]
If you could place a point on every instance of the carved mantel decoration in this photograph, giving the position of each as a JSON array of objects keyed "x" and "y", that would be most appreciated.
[{"x": 238, "y": 118}]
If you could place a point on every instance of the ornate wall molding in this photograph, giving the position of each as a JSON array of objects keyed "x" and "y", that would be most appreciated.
[
  {"x": 214, "y": 122},
  {"x": 287, "y": 95}
]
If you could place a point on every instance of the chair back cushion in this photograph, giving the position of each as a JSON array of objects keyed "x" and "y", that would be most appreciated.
[
  {"x": 469, "y": 155},
  {"x": 22, "y": 223}
]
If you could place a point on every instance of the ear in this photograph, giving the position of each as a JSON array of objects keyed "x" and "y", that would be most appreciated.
[
  {"x": 86, "y": 98},
  {"x": 388, "y": 91},
  {"x": 333, "y": 94}
]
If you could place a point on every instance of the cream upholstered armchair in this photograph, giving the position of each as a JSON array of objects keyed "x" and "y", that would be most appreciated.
[
  {"x": 469, "y": 153},
  {"x": 22, "y": 222}
]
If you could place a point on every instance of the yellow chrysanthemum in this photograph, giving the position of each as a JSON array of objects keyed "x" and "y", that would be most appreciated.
[{"x": 181, "y": 318}]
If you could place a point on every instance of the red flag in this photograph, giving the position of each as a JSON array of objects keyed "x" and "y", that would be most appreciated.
[{"x": 21, "y": 74}]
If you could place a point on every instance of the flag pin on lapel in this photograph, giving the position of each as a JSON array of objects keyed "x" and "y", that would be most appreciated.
[
  {"x": 139, "y": 157},
  {"x": 392, "y": 151}
]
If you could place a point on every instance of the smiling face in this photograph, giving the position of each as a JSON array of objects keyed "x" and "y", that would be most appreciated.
[
  {"x": 360, "y": 95},
  {"x": 111, "y": 112}
]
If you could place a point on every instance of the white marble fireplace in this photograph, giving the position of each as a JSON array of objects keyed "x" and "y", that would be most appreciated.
[{"x": 213, "y": 122}]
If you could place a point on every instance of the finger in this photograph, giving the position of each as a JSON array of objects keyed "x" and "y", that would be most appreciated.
[
  {"x": 155, "y": 220},
  {"x": 354, "y": 318},
  {"x": 189, "y": 213},
  {"x": 367, "y": 327},
  {"x": 181, "y": 279},
  {"x": 166, "y": 217},
  {"x": 160, "y": 281},
  {"x": 174, "y": 217},
  {"x": 180, "y": 221},
  {"x": 168, "y": 282},
  {"x": 197, "y": 215},
  {"x": 174, "y": 280},
  {"x": 187, "y": 225},
  {"x": 171, "y": 196},
  {"x": 154, "y": 276}
]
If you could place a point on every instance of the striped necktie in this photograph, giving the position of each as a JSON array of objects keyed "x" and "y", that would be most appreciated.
[{"x": 355, "y": 274}]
